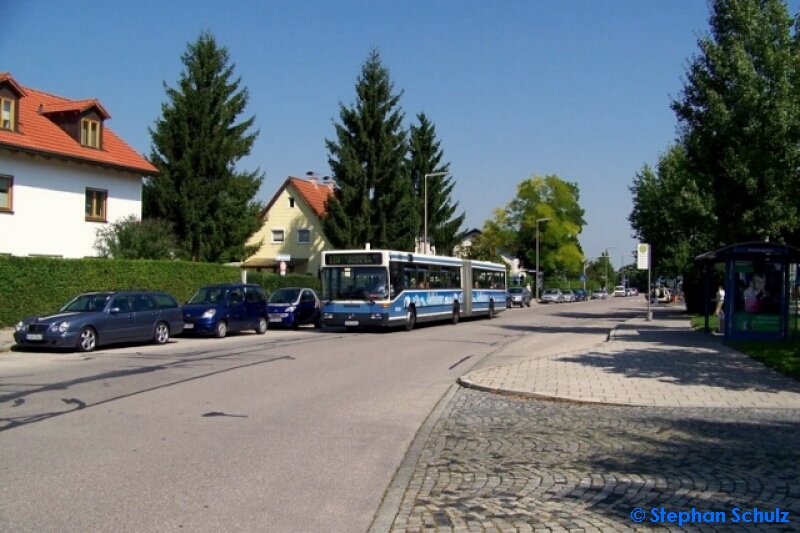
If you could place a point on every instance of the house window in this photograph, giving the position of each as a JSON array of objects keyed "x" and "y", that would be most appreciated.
[
  {"x": 277, "y": 235},
  {"x": 90, "y": 133},
  {"x": 96, "y": 200},
  {"x": 7, "y": 113},
  {"x": 6, "y": 194},
  {"x": 304, "y": 235},
  {"x": 291, "y": 202}
]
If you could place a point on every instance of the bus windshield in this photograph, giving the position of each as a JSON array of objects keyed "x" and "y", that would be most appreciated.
[{"x": 354, "y": 283}]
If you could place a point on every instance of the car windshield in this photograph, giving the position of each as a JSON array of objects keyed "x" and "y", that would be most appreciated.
[
  {"x": 209, "y": 295},
  {"x": 515, "y": 290},
  {"x": 284, "y": 296},
  {"x": 87, "y": 303}
]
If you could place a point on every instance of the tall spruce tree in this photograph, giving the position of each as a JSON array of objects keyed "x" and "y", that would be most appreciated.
[
  {"x": 196, "y": 144},
  {"x": 374, "y": 199},
  {"x": 444, "y": 229},
  {"x": 738, "y": 116}
]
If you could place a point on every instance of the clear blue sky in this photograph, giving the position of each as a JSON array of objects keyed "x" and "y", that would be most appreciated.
[{"x": 576, "y": 88}]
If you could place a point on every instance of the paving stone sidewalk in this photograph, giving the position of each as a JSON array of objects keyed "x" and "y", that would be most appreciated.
[
  {"x": 658, "y": 417},
  {"x": 662, "y": 362}
]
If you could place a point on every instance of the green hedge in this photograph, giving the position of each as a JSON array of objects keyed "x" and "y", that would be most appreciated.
[
  {"x": 272, "y": 282},
  {"x": 30, "y": 285}
]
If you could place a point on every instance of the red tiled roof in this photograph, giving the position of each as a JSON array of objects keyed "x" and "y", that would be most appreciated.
[
  {"x": 313, "y": 193},
  {"x": 75, "y": 105},
  {"x": 38, "y": 134}
]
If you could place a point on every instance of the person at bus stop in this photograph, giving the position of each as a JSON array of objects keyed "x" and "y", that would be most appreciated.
[{"x": 720, "y": 299}]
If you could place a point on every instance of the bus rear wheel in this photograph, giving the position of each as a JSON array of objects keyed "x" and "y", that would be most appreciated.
[{"x": 411, "y": 318}]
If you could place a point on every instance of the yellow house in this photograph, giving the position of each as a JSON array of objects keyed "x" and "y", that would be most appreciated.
[{"x": 292, "y": 231}]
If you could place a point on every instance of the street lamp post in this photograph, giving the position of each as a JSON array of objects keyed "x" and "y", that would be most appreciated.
[
  {"x": 431, "y": 175},
  {"x": 538, "y": 275}
]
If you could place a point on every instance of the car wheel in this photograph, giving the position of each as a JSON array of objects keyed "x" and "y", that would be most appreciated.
[
  {"x": 528, "y": 304},
  {"x": 411, "y": 318},
  {"x": 161, "y": 333},
  {"x": 87, "y": 340},
  {"x": 456, "y": 315},
  {"x": 221, "y": 329},
  {"x": 262, "y": 325}
]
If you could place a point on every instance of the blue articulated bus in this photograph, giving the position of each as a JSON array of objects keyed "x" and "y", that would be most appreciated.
[{"x": 383, "y": 288}]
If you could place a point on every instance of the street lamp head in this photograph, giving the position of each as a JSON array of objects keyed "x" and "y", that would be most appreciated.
[{"x": 542, "y": 220}]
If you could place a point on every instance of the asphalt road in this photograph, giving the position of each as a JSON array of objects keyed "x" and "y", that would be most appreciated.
[{"x": 290, "y": 431}]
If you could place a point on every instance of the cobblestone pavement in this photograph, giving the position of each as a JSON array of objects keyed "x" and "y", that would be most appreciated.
[{"x": 497, "y": 464}]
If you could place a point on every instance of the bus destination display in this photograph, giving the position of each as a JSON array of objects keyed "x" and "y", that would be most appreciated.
[{"x": 353, "y": 259}]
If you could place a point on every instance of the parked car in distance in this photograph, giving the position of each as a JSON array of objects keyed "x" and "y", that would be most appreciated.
[
  {"x": 519, "y": 296},
  {"x": 293, "y": 306},
  {"x": 552, "y": 296},
  {"x": 599, "y": 294},
  {"x": 620, "y": 290},
  {"x": 225, "y": 308},
  {"x": 569, "y": 296},
  {"x": 580, "y": 295},
  {"x": 94, "y": 319}
]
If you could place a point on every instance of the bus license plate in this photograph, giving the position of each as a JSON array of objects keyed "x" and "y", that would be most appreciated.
[{"x": 351, "y": 322}]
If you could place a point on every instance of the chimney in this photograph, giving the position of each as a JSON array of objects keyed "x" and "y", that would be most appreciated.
[{"x": 312, "y": 177}]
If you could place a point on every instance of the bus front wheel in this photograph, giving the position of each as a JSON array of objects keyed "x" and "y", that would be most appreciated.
[{"x": 411, "y": 318}]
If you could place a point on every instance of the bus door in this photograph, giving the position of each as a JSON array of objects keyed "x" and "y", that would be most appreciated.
[{"x": 466, "y": 285}]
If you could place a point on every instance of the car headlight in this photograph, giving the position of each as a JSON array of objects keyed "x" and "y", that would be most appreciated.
[
  {"x": 210, "y": 313},
  {"x": 290, "y": 309},
  {"x": 19, "y": 326},
  {"x": 327, "y": 316},
  {"x": 59, "y": 327}
]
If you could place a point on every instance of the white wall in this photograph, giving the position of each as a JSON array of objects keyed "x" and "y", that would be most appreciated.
[{"x": 49, "y": 205}]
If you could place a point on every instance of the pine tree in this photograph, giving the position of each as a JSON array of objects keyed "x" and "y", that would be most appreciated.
[
  {"x": 444, "y": 230},
  {"x": 374, "y": 199},
  {"x": 195, "y": 145}
]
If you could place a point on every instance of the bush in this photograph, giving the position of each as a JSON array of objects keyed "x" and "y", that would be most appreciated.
[{"x": 40, "y": 284}]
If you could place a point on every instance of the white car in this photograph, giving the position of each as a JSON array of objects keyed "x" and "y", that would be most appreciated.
[
  {"x": 552, "y": 296},
  {"x": 619, "y": 290}
]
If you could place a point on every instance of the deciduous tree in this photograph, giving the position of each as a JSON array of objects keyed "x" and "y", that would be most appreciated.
[{"x": 739, "y": 116}]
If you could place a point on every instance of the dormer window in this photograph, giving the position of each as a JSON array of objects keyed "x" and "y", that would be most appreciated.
[
  {"x": 7, "y": 108},
  {"x": 291, "y": 202},
  {"x": 90, "y": 133}
]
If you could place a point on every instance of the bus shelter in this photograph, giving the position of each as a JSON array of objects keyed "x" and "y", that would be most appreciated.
[{"x": 760, "y": 285}]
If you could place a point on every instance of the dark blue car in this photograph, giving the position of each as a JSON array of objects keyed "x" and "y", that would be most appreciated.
[
  {"x": 220, "y": 309},
  {"x": 293, "y": 306},
  {"x": 94, "y": 319}
]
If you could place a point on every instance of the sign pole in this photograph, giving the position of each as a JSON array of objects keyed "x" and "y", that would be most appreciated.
[{"x": 643, "y": 260}]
